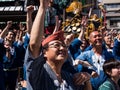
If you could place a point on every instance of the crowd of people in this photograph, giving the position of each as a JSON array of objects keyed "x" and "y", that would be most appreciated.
[{"x": 41, "y": 56}]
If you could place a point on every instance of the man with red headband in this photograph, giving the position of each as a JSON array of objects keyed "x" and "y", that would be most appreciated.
[{"x": 44, "y": 58}]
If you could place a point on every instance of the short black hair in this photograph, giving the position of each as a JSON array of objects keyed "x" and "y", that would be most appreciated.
[
  {"x": 45, "y": 46},
  {"x": 12, "y": 32},
  {"x": 109, "y": 65}
]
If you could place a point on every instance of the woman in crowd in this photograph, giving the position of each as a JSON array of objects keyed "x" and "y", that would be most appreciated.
[{"x": 112, "y": 70}]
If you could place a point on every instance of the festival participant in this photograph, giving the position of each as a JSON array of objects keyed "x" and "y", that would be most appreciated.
[
  {"x": 112, "y": 70},
  {"x": 108, "y": 43},
  {"x": 96, "y": 57},
  {"x": 116, "y": 47},
  {"x": 11, "y": 58},
  {"x": 44, "y": 58},
  {"x": 50, "y": 18}
]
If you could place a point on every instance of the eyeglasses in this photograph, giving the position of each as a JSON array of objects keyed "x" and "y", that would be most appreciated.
[{"x": 57, "y": 45}]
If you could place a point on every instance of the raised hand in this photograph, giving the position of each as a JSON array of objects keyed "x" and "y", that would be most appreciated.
[
  {"x": 9, "y": 24},
  {"x": 80, "y": 78},
  {"x": 21, "y": 26},
  {"x": 84, "y": 21},
  {"x": 30, "y": 9}
]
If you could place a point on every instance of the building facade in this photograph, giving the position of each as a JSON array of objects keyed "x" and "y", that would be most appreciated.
[{"x": 112, "y": 13}]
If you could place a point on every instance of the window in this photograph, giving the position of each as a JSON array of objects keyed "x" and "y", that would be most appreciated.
[{"x": 112, "y": 5}]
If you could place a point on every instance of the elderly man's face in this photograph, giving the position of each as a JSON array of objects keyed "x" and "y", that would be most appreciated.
[
  {"x": 108, "y": 39},
  {"x": 96, "y": 38}
]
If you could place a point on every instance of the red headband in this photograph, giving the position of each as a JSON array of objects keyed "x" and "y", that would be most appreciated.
[{"x": 59, "y": 35}]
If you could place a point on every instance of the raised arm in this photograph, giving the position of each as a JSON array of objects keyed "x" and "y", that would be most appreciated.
[
  {"x": 83, "y": 24},
  {"x": 57, "y": 26},
  {"x": 29, "y": 22},
  {"x": 5, "y": 30},
  {"x": 38, "y": 29},
  {"x": 21, "y": 32}
]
